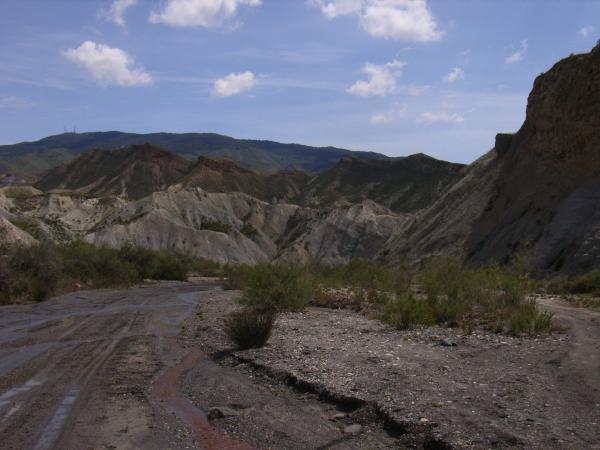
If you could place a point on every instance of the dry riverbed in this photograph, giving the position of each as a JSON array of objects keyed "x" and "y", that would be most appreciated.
[
  {"x": 150, "y": 367},
  {"x": 433, "y": 388}
]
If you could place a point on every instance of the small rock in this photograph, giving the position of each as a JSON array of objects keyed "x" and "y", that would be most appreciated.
[
  {"x": 448, "y": 343},
  {"x": 220, "y": 412},
  {"x": 338, "y": 416},
  {"x": 353, "y": 429}
]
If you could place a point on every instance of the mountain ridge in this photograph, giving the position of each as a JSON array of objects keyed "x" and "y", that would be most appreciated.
[{"x": 35, "y": 157}]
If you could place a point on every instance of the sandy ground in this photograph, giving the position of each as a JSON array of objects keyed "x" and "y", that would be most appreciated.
[{"x": 149, "y": 367}]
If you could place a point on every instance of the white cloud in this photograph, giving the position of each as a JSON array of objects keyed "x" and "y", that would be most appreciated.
[
  {"x": 108, "y": 65},
  {"x": 234, "y": 83},
  {"x": 334, "y": 8},
  {"x": 405, "y": 20},
  {"x": 13, "y": 102},
  {"x": 198, "y": 13},
  {"x": 412, "y": 89},
  {"x": 518, "y": 55},
  {"x": 586, "y": 31},
  {"x": 395, "y": 112},
  {"x": 382, "y": 79},
  {"x": 454, "y": 75},
  {"x": 381, "y": 118},
  {"x": 117, "y": 10},
  {"x": 441, "y": 117}
]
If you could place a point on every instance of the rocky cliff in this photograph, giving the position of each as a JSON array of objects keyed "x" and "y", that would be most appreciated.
[{"x": 535, "y": 192}]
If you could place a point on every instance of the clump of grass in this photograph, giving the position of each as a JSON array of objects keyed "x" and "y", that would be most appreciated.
[
  {"x": 250, "y": 327},
  {"x": 526, "y": 319},
  {"x": 405, "y": 311},
  {"x": 280, "y": 287}
]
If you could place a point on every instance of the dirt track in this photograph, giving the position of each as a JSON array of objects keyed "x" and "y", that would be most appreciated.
[
  {"x": 75, "y": 371},
  {"x": 126, "y": 369}
]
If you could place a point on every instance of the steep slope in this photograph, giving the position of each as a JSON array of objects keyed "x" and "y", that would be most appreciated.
[
  {"x": 39, "y": 156},
  {"x": 547, "y": 197},
  {"x": 10, "y": 234},
  {"x": 402, "y": 184},
  {"x": 537, "y": 191},
  {"x": 136, "y": 171},
  {"x": 226, "y": 175}
]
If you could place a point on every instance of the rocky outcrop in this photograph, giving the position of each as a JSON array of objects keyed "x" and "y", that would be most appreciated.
[
  {"x": 340, "y": 234},
  {"x": 536, "y": 192},
  {"x": 546, "y": 199}
]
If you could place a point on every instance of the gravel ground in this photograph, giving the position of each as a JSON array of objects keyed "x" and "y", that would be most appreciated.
[{"x": 453, "y": 390}]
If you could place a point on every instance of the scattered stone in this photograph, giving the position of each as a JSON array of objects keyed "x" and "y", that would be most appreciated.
[
  {"x": 448, "y": 343},
  {"x": 220, "y": 412},
  {"x": 338, "y": 416},
  {"x": 353, "y": 429}
]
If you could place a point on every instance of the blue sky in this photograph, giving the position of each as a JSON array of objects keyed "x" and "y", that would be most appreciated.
[{"x": 394, "y": 76}]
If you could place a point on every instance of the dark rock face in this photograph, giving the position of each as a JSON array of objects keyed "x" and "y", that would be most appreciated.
[
  {"x": 546, "y": 196},
  {"x": 503, "y": 141},
  {"x": 537, "y": 191}
]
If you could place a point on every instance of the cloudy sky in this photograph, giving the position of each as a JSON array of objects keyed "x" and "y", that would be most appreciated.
[{"x": 394, "y": 76}]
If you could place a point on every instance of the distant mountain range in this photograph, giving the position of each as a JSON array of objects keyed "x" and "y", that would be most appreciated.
[
  {"x": 265, "y": 156},
  {"x": 403, "y": 184}
]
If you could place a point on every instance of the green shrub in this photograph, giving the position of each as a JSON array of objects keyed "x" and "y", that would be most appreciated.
[
  {"x": 406, "y": 311},
  {"x": 34, "y": 273},
  {"x": 282, "y": 287},
  {"x": 588, "y": 283},
  {"x": 215, "y": 225},
  {"x": 362, "y": 274},
  {"x": 250, "y": 327},
  {"x": 156, "y": 264},
  {"x": 248, "y": 230},
  {"x": 17, "y": 192},
  {"x": 98, "y": 267},
  {"x": 235, "y": 276},
  {"x": 526, "y": 319}
]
